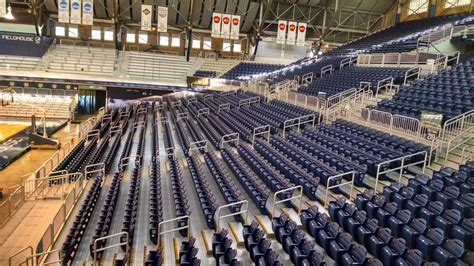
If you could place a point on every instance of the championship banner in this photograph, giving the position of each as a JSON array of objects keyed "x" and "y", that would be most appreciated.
[
  {"x": 63, "y": 11},
  {"x": 146, "y": 17},
  {"x": 292, "y": 28},
  {"x": 162, "y": 25},
  {"x": 216, "y": 25},
  {"x": 301, "y": 38},
  {"x": 225, "y": 29},
  {"x": 281, "y": 36},
  {"x": 235, "y": 27},
  {"x": 3, "y": 8},
  {"x": 87, "y": 12},
  {"x": 75, "y": 12}
]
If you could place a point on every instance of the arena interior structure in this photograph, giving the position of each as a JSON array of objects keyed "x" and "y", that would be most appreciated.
[{"x": 236, "y": 132}]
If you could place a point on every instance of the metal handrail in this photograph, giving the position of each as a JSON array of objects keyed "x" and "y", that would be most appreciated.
[
  {"x": 218, "y": 217},
  {"x": 299, "y": 196}
]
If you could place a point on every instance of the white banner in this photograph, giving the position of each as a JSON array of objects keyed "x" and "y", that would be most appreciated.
[
  {"x": 281, "y": 36},
  {"x": 75, "y": 12},
  {"x": 63, "y": 11},
  {"x": 216, "y": 25},
  {"x": 225, "y": 30},
  {"x": 147, "y": 11},
  {"x": 162, "y": 19},
  {"x": 235, "y": 27},
  {"x": 3, "y": 8},
  {"x": 300, "y": 40},
  {"x": 292, "y": 28},
  {"x": 88, "y": 12}
]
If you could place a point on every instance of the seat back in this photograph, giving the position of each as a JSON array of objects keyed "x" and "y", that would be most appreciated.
[
  {"x": 436, "y": 235},
  {"x": 455, "y": 247},
  {"x": 385, "y": 235},
  {"x": 399, "y": 245},
  {"x": 419, "y": 225},
  {"x": 436, "y": 207},
  {"x": 453, "y": 216},
  {"x": 421, "y": 199},
  {"x": 359, "y": 253}
]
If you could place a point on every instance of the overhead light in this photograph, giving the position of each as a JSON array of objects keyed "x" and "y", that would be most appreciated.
[{"x": 9, "y": 14}]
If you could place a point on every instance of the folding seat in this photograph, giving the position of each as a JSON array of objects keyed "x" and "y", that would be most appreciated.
[
  {"x": 347, "y": 211},
  {"x": 364, "y": 232},
  {"x": 362, "y": 199},
  {"x": 319, "y": 223},
  {"x": 383, "y": 214},
  {"x": 339, "y": 246},
  {"x": 419, "y": 181},
  {"x": 428, "y": 242},
  {"x": 269, "y": 259},
  {"x": 259, "y": 250},
  {"x": 398, "y": 221},
  {"x": 378, "y": 240},
  {"x": 464, "y": 204},
  {"x": 418, "y": 202},
  {"x": 357, "y": 219},
  {"x": 356, "y": 256},
  {"x": 403, "y": 196},
  {"x": 429, "y": 213},
  {"x": 395, "y": 250},
  {"x": 325, "y": 236},
  {"x": 447, "y": 220},
  {"x": 373, "y": 206},
  {"x": 279, "y": 224},
  {"x": 287, "y": 231},
  {"x": 307, "y": 215}
]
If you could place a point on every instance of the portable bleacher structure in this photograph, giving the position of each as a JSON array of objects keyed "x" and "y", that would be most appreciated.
[
  {"x": 24, "y": 106},
  {"x": 8, "y": 62}
]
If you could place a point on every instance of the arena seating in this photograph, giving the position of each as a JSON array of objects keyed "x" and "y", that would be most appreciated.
[
  {"x": 187, "y": 253},
  {"x": 294, "y": 242},
  {"x": 222, "y": 249},
  {"x": 80, "y": 60},
  {"x": 8, "y": 62},
  {"x": 205, "y": 74},
  {"x": 154, "y": 66},
  {"x": 402, "y": 37},
  {"x": 448, "y": 92},
  {"x": 258, "y": 246},
  {"x": 156, "y": 206},
  {"x": 350, "y": 77},
  {"x": 56, "y": 107},
  {"x": 247, "y": 69}
]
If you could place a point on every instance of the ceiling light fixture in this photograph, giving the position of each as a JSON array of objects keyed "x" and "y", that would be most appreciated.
[{"x": 9, "y": 14}]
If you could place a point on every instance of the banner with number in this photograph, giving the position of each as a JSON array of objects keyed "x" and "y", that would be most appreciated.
[
  {"x": 235, "y": 27},
  {"x": 301, "y": 38},
  {"x": 75, "y": 12},
  {"x": 281, "y": 35},
  {"x": 292, "y": 28},
  {"x": 162, "y": 19},
  {"x": 63, "y": 11},
  {"x": 88, "y": 12},
  {"x": 146, "y": 17},
  {"x": 3, "y": 8},
  {"x": 225, "y": 28},
  {"x": 216, "y": 25}
]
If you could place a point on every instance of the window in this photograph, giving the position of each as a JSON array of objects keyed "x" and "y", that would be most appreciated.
[
  {"x": 60, "y": 31},
  {"x": 226, "y": 47},
  {"x": 175, "y": 41},
  {"x": 96, "y": 33},
  {"x": 131, "y": 37},
  {"x": 143, "y": 38},
  {"x": 196, "y": 44},
  {"x": 418, "y": 6},
  {"x": 237, "y": 47},
  {"x": 455, "y": 3},
  {"x": 108, "y": 35},
  {"x": 164, "y": 40},
  {"x": 73, "y": 32},
  {"x": 207, "y": 45}
]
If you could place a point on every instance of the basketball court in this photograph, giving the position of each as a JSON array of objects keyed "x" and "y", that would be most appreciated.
[{"x": 8, "y": 129}]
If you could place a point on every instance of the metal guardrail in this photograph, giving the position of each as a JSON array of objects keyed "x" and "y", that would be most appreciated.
[
  {"x": 187, "y": 226},
  {"x": 298, "y": 196},
  {"x": 328, "y": 187},
  {"x": 218, "y": 216},
  {"x": 261, "y": 131},
  {"x": 121, "y": 243}
]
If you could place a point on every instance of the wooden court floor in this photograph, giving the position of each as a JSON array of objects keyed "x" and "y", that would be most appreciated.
[{"x": 9, "y": 129}]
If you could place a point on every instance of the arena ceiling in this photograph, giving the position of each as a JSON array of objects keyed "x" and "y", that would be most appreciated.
[{"x": 333, "y": 20}]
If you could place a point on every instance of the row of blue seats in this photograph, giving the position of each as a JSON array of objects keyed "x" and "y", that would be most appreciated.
[
  {"x": 154, "y": 257},
  {"x": 229, "y": 190},
  {"x": 205, "y": 73},
  {"x": 289, "y": 169},
  {"x": 222, "y": 249},
  {"x": 156, "y": 207},
  {"x": 133, "y": 197},
  {"x": 255, "y": 188},
  {"x": 179, "y": 193},
  {"x": 211, "y": 133},
  {"x": 236, "y": 125},
  {"x": 258, "y": 246},
  {"x": 294, "y": 242},
  {"x": 203, "y": 190},
  {"x": 330, "y": 236},
  {"x": 187, "y": 253},
  {"x": 246, "y": 68}
]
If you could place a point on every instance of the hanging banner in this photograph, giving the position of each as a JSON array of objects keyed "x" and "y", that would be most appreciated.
[
  {"x": 235, "y": 27},
  {"x": 162, "y": 19},
  {"x": 300, "y": 40},
  {"x": 216, "y": 25},
  {"x": 292, "y": 28},
  {"x": 75, "y": 12},
  {"x": 3, "y": 8},
  {"x": 87, "y": 12},
  {"x": 63, "y": 11},
  {"x": 146, "y": 17},
  {"x": 281, "y": 35},
  {"x": 225, "y": 28}
]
